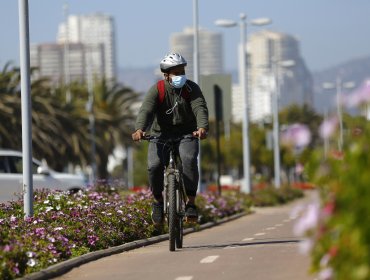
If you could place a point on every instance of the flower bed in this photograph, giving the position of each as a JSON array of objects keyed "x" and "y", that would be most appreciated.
[{"x": 66, "y": 226}]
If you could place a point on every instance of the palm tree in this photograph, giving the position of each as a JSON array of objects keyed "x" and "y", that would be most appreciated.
[
  {"x": 60, "y": 130},
  {"x": 114, "y": 117},
  {"x": 10, "y": 124}
]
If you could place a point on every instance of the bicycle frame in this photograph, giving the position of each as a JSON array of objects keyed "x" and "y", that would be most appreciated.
[{"x": 174, "y": 198}]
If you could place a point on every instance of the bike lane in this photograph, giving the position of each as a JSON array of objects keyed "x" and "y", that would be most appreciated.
[{"x": 257, "y": 246}]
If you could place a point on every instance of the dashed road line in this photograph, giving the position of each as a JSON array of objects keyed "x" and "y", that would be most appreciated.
[
  {"x": 230, "y": 247},
  {"x": 278, "y": 225},
  {"x": 270, "y": 228},
  {"x": 184, "y": 278},
  {"x": 209, "y": 259},
  {"x": 259, "y": 233},
  {"x": 248, "y": 239}
]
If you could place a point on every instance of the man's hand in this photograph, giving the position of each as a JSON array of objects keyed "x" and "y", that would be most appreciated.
[
  {"x": 138, "y": 135},
  {"x": 201, "y": 133}
]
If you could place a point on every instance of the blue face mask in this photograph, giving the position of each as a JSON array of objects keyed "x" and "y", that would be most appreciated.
[{"x": 178, "y": 81}]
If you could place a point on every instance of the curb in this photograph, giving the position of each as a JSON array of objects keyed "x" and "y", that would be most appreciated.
[{"x": 65, "y": 266}]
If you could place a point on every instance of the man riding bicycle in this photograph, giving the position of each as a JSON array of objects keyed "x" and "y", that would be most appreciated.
[{"x": 182, "y": 110}]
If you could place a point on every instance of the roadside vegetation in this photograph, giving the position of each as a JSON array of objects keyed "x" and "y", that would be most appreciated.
[
  {"x": 336, "y": 224},
  {"x": 66, "y": 226}
]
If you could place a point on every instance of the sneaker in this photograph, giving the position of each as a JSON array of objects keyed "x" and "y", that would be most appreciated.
[
  {"x": 157, "y": 213},
  {"x": 191, "y": 212}
]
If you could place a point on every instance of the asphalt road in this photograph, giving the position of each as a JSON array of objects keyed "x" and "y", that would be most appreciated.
[{"x": 259, "y": 246}]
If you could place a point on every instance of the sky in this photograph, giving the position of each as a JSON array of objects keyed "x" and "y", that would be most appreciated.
[{"x": 330, "y": 32}]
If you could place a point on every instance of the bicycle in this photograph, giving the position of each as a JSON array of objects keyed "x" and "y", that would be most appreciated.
[{"x": 174, "y": 198}]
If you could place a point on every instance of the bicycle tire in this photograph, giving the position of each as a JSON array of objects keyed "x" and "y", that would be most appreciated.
[
  {"x": 172, "y": 215},
  {"x": 180, "y": 219}
]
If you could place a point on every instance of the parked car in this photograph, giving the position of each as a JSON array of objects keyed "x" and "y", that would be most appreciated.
[{"x": 11, "y": 176}]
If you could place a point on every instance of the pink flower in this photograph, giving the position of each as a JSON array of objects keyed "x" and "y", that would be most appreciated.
[
  {"x": 296, "y": 134},
  {"x": 328, "y": 127},
  {"x": 305, "y": 246},
  {"x": 359, "y": 95},
  {"x": 309, "y": 219},
  {"x": 328, "y": 209},
  {"x": 326, "y": 274}
]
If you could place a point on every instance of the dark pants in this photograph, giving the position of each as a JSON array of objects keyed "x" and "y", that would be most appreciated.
[{"x": 158, "y": 157}]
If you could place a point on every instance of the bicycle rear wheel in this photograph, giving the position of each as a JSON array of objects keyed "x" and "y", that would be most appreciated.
[{"x": 172, "y": 215}]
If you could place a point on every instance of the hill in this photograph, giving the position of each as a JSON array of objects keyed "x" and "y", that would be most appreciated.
[
  {"x": 355, "y": 70},
  {"x": 139, "y": 79}
]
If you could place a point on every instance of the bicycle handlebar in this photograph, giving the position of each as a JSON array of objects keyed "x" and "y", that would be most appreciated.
[{"x": 168, "y": 140}]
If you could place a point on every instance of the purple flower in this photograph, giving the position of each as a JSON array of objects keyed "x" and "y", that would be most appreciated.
[
  {"x": 92, "y": 239},
  {"x": 7, "y": 248},
  {"x": 15, "y": 269},
  {"x": 40, "y": 231}
]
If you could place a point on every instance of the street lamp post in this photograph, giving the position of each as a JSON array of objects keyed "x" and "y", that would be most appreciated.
[
  {"x": 275, "y": 112},
  {"x": 90, "y": 109},
  {"x": 66, "y": 55},
  {"x": 338, "y": 85},
  {"x": 243, "y": 84},
  {"x": 196, "y": 78},
  {"x": 244, "y": 88},
  {"x": 26, "y": 105},
  {"x": 276, "y": 64}
]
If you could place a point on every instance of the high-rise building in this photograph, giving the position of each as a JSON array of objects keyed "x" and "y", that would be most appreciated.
[
  {"x": 210, "y": 50},
  {"x": 50, "y": 60},
  {"x": 96, "y": 32},
  {"x": 266, "y": 48}
]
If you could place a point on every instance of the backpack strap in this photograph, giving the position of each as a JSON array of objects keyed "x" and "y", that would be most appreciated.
[{"x": 161, "y": 91}]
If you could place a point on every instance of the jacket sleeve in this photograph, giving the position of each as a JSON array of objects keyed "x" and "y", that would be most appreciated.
[
  {"x": 199, "y": 106},
  {"x": 147, "y": 110}
]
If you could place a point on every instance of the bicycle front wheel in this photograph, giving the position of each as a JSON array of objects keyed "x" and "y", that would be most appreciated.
[
  {"x": 180, "y": 218},
  {"x": 172, "y": 215}
]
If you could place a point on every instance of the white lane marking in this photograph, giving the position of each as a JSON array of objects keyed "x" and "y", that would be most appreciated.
[
  {"x": 209, "y": 259},
  {"x": 259, "y": 233},
  {"x": 278, "y": 225},
  {"x": 270, "y": 228},
  {"x": 286, "y": 221},
  {"x": 184, "y": 278},
  {"x": 248, "y": 239}
]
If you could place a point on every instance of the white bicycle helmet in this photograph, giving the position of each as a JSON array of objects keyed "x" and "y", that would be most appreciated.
[{"x": 172, "y": 60}]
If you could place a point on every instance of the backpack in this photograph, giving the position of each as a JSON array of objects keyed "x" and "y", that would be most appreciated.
[{"x": 161, "y": 91}]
